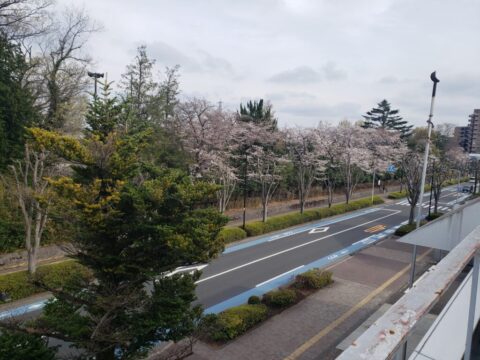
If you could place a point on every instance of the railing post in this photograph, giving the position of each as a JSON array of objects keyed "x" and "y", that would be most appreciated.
[{"x": 471, "y": 310}]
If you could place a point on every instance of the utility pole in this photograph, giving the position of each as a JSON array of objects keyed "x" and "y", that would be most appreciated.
[
  {"x": 433, "y": 77},
  {"x": 95, "y": 77},
  {"x": 373, "y": 183},
  {"x": 245, "y": 190},
  {"x": 431, "y": 187}
]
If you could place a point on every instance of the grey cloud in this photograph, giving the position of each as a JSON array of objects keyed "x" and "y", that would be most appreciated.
[
  {"x": 388, "y": 80},
  {"x": 332, "y": 72},
  {"x": 204, "y": 62},
  {"x": 338, "y": 111},
  {"x": 306, "y": 74},
  {"x": 461, "y": 85},
  {"x": 301, "y": 74},
  {"x": 286, "y": 95}
]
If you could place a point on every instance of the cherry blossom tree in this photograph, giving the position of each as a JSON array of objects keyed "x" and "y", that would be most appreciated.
[
  {"x": 354, "y": 155},
  {"x": 328, "y": 147},
  {"x": 306, "y": 157},
  {"x": 265, "y": 163},
  {"x": 411, "y": 167},
  {"x": 207, "y": 133}
]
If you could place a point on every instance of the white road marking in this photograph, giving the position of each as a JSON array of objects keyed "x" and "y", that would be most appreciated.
[
  {"x": 278, "y": 276},
  {"x": 319, "y": 230},
  {"x": 183, "y": 269},
  {"x": 296, "y": 247}
]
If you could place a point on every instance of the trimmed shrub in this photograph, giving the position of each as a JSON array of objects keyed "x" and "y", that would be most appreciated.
[
  {"x": 18, "y": 285},
  {"x": 254, "y": 300},
  {"x": 255, "y": 228},
  {"x": 405, "y": 229},
  {"x": 234, "y": 321},
  {"x": 434, "y": 216},
  {"x": 280, "y": 298},
  {"x": 231, "y": 234},
  {"x": 280, "y": 222},
  {"x": 313, "y": 279},
  {"x": 397, "y": 194}
]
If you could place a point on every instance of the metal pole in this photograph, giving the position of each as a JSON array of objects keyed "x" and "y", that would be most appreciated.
[
  {"x": 471, "y": 310},
  {"x": 245, "y": 190},
  {"x": 431, "y": 186},
  {"x": 424, "y": 174},
  {"x": 476, "y": 177},
  {"x": 458, "y": 188},
  {"x": 373, "y": 184}
]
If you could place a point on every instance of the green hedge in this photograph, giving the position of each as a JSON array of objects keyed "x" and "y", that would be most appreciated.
[
  {"x": 405, "y": 229},
  {"x": 280, "y": 298},
  {"x": 254, "y": 300},
  {"x": 313, "y": 279},
  {"x": 233, "y": 322},
  {"x": 397, "y": 194},
  {"x": 280, "y": 222},
  {"x": 18, "y": 286},
  {"x": 231, "y": 234}
]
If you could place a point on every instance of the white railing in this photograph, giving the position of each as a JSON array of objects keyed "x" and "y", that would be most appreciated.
[{"x": 385, "y": 339}]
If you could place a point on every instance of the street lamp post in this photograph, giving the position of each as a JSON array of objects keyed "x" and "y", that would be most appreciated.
[
  {"x": 245, "y": 190},
  {"x": 433, "y": 77},
  {"x": 95, "y": 77},
  {"x": 431, "y": 187}
]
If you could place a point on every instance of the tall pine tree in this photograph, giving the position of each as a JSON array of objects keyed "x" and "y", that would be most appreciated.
[
  {"x": 133, "y": 224},
  {"x": 259, "y": 113},
  {"x": 383, "y": 116},
  {"x": 16, "y": 103}
]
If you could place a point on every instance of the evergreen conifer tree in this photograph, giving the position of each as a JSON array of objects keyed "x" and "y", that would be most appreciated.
[{"x": 383, "y": 116}]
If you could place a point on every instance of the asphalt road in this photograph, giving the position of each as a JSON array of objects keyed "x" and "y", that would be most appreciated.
[{"x": 259, "y": 265}]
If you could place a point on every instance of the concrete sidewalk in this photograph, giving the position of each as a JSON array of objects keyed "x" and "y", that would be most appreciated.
[{"x": 313, "y": 328}]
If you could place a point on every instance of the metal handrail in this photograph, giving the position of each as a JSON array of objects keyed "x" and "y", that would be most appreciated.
[{"x": 385, "y": 337}]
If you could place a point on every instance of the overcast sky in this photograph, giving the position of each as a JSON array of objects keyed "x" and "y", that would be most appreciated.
[{"x": 313, "y": 59}]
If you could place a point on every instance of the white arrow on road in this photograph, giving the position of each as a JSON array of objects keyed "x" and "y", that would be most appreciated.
[{"x": 319, "y": 230}]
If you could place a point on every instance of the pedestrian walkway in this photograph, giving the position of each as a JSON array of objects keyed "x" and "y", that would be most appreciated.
[{"x": 313, "y": 328}]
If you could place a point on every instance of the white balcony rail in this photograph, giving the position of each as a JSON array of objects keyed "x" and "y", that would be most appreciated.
[{"x": 386, "y": 337}]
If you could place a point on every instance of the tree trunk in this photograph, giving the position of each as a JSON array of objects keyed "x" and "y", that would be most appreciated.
[
  {"x": 265, "y": 210},
  {"x": 412, "y": 214},
  {"x": 32, "y": 260},
  {"x": 302, "y": 201}
]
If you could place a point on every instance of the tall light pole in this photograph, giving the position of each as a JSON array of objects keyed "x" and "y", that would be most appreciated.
[
  {"x": 431, "y": 187},
  {"x": 433, "y": 77},
  {"x": 95, "y": 77}
]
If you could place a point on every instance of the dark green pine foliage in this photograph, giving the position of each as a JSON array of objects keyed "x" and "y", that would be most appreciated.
[
  {"x": 383, "y": 116},
  {"x": 105, "y": 114},
  {"x": 16, "y": 103},
  {"x": 134, "y": 223},
  {"x": 259, "y": 113},
  {"x": 21, "y": 346}
]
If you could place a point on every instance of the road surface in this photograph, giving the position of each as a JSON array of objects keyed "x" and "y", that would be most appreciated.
[{"x": 259, "y": 265}]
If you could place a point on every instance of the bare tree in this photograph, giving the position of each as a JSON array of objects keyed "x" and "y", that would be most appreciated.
[
  {"x": 306, "y": 157},
  {"x": 440, "y": 172},
  {"x": 31, "y": 190},
  {"x": 23, "y": 19},
  {"x": 60, "y": 74},
  {"x": 411, "y": 167}
]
